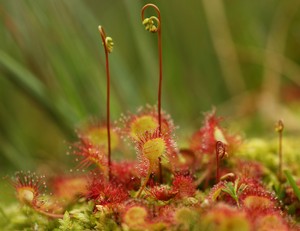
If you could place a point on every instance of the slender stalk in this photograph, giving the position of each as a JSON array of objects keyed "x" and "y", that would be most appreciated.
[
  {"x": 279, "y": 128},
  {"x": 48, "y": 214},
  {"x": 107, "y": 50},
  {"x": 156, "y": 29},
  {"x": 144, "y": 184},
  {"x": 149, "y": 23}
]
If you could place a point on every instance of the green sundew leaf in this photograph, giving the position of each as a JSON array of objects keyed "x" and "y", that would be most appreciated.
[{"x": 292, "y": 183}]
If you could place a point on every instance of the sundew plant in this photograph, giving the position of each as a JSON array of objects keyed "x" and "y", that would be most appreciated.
[{"x": 136, "y": 174}]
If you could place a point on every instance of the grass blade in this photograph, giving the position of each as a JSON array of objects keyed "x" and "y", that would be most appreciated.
[
  {"x": 292, "y": 183},
  {"x": 25, "y": 80}
]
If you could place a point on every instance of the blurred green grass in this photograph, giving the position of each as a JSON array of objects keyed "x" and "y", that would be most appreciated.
[{"x": 236, "y": 55}]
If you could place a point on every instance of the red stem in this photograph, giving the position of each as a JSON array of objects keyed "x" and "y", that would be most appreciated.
[
  {"x": 103, "y": 37},
  {"x": 48, "y": 214},
  {"x": 217, "y": 160},
  {"x": 160, "y": 79},
  {"x": 160, "y": 73},
  {"x": 220, "y": 153},
  {"x": 280, "y": 127},
  {"x": 143, "y": 186}
]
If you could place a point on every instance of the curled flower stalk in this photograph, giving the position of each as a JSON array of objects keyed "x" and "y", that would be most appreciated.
[
  {"x": 108, "y": 47},
  {"x": 220, "y": 153},
  {"x": 150, "y": 26}
]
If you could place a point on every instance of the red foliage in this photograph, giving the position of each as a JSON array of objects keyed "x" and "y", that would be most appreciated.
[
  {"x": 268, "y": 219},
  {"x": 126, "y": 174},
  {"x": 69, "y": 187},
  {"x": 90, "y": 154},
  {"x": 125, "y": 127},
  {"x": 162, "y": 192},
  {"x": 28, "y": 187},
  {"x": 106, "y": 193},
  {"x": 249, "y": 169},
  {"x": 184, "y": 185},
  {"x": 169, "y": 153},
  {"x": 204, "y": 140}
]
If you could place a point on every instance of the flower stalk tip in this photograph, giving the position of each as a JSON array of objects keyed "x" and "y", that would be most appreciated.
[
  {"x": 107, "y": 41},
  {"x": 150, "y": 25}
]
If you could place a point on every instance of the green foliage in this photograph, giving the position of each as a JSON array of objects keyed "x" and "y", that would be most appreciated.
[
  {"x": 16, "y": 217},
  {"x": 292, "y": 183},
  {"x": 234, "y": 190},
  {"x": 253, "y": 149}
]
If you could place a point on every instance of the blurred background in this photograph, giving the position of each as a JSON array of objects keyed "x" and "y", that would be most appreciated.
[{"x": 243, "y": 57}]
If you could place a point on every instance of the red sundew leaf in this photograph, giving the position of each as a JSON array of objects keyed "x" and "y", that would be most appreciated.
[
  {"x": 69, "y": 187},
  {"x": 256, "y": 197},
  {"x": 184, "y": 186},
  {"x": 268, "y": 219},
  {"x": 90, "y": 155},
  {"x": 163, "y": 146},
  {"x": 162, "y": 192},
  {"x": 132, "y": 126},
  {"x": 235, "y": 192},
  {"x": 28, "y": 187},
  {"x": 95, "y": 133},
  {"x": 221, "y": 216},
  {"x": 185, "y": 161},
  {"x": 249, "y": 169},
  {"x": 216, "y": 191},
  {"x": 135, "y": 215},
  {"x": 105, "y": 193},
  {"x": 126, "y": 173},
  {"x": 165, "y": 214},
  {"x": 205, "y": 138}
]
